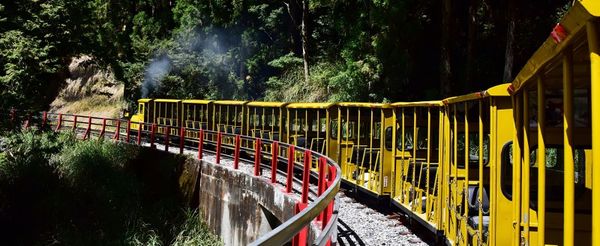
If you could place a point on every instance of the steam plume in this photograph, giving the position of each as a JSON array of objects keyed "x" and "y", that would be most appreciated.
[{"x": 155, "y": 72}]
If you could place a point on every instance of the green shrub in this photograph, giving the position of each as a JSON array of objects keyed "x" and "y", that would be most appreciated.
[{"x": 55, "y": 190}]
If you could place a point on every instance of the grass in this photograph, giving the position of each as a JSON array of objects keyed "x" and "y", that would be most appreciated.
[{"x": 55, "y": 190}]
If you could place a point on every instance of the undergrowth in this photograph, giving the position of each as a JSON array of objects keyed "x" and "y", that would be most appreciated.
[{"x": 55, "y": 190}]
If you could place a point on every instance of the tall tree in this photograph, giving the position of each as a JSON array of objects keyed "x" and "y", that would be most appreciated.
[
  {"x": 447, "y": 30},
  {"x": 509, "y": 55},
  {"x": 305, "y": 37}
]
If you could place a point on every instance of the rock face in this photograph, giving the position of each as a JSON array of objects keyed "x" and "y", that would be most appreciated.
[{"x": 89, "y": 90}]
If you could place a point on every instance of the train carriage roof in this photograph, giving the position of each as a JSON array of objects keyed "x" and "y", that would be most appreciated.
[
  {"x": 418, "y": 104},
  {"x": 267, "y": 104},
  {"x": 364, "y": 105},
  {"x": 196, "y": 101},
  {"x": 167, "y": 100},
  {"x": 574, "y": 23},
  {"x": 500, "y": 90},
  {"x": 310, "y": 105},
  {"x": 229, "y": 102}
]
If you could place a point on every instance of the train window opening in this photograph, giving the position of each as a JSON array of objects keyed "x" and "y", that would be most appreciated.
[
  {"x": 388, "y": 138},
  {"x": 554, "y": 172},
  {"x": 554, "y": 108},
  {"x": 473, "y": 149},
  {"x": 333, "y": 125},
  {"x": 421, "y": 138}
]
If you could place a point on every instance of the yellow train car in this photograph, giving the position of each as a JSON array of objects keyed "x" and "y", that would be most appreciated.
[
  {"x": 306, "y": 125},
  {"x": 476, "y": 129},
  {"x": 418, "y": 142},
  {"x": 197, "y": 114},
  {"x": 166, "y": 113},
  {"x": 145, "y": 113},
  {"x": 363, "y": 144},
  {"x": 228, "y": 116},
  {"x": 265, "y": 120},
  {"x": 556, "y": 99}
]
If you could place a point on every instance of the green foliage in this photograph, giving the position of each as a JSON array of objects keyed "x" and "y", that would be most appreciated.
[
  {"x": 375, "y": 50},
  {"x": 54, "y": 189}
]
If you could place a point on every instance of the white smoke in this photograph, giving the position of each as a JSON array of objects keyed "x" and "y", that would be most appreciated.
[
  {"x": 155, "y": 72},
  {"x": 192, "y": 49}
]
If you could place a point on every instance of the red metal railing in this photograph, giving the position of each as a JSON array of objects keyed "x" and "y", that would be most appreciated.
[{"x": 266, "y": 155}]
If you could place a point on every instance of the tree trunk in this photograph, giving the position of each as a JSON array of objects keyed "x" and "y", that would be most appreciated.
[
  {"x": 510, "y": 40},
  {"x": 294, "y": 12},
  {"x": 471, "y": 41},
  {"x": 305, "y": 36},
  {"x": 445, "y": 51}
]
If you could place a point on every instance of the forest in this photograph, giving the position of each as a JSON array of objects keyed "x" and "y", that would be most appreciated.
[{"x": 275, "y": 50}]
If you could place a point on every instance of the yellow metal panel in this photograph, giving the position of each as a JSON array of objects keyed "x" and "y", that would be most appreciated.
[
  {"x": 541, "y": 159},
  {"x": 229, "y": 102},
  {"x": 569, "y": 202},
  {"x": 496, "y": 91},
  {"x": 144, "y": 100},
  {"x": 363, "y": 105},
  {"x": 310, "y": 105},
  {"x": 267, "y": 104},
  {"x": 167, "y": 100},
  {"x": 467, "y": 97},
  {"x": 466, "y": 185},
  {"x": 516, "y": 178},
  {"x": 594, "y": 47},
  {"x": 592, "y": 6},
  {"x": 500, "y": 90},
  {"x": 417, "y": 104},
  {"x": 480, "y": 198},
  {"x": 525, "y": 217},
  {"x": 194, "y": 101}
]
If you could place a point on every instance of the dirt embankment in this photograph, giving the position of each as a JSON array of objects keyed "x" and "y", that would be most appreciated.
[{"x": 91, "y": 90}]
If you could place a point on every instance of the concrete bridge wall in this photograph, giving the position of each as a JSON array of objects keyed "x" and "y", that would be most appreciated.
[{"x": 237, "y": 206}]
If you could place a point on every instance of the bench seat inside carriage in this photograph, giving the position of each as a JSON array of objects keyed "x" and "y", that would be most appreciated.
[
  {"x": 193, "y": 124},
  {"x": 366, "y": 161},
  {"x": 473, "y": 204},
  {"x": 316, "y": 144}
]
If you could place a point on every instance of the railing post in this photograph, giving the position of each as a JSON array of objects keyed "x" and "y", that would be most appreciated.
[
  {"x": 301, "y": 238},
  {"x": 103, "y": 130},
  {"x": 181, "y": 139},
  {"x": 128, "y": 133},
  {"x": 257, "y": 156},
  {"x": 152, "y": 135},
  {"x": 218, "y": 157},
  {"x": 200, "y": 143},
  {"x": 74, "y": 122},
  {"x": 274, "y": 158},
  {"x": 328, "y": 183},
  {"x": 306, "y": 175},
  {"x": 118, "y": 131},
  {"x": 44, "y": 119},
  {"x": 236, "y": 155},
  {"x": 167, "y": 136},
  {"x": 58, "y": 125},
  {"x": 321, "y": 185},
  {"x": 139, "y": 135},
  {"x": 290, "y": 169},
  {"x": 87, "y": 130}
]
